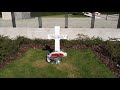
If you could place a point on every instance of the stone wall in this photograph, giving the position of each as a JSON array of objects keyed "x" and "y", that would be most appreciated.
[
  {"x": 22, "y": 15},
  {"x": 6, "y": 16},
  {"x": 42, "y": 33},
  {"x": 18, "y": 15}
]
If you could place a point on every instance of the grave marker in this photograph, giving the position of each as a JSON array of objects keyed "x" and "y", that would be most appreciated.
[
  {"x": 57, "y": 55},
  {"x": 57, "y": 38}
]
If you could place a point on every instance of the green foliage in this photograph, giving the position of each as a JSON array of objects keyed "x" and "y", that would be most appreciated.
[
  {"x": 43, "y": 41},
  {"x": 38, "y": 14},
  {"x": 114, "y": 49},
  {"x": 23, "y": 40},
  {"x": 109, "y": 13},
  {"x": 85, "y": 40},
  {"x": 71, "y": 14},
  {"x": 77, "y": 13},
  {"x": 7, "y": 46},
  {"x": 65, "y": 42}
]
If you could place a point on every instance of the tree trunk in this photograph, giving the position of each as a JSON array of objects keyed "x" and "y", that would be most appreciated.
[
  {"x": 106, "y": 16},
  {"x": 13, "y": 19},
  {"x": 118, "y": 25},
  {"x": 66, "y": 20},
  {"x": 40, "y": 22},
  {"x": 93, "y": 20}
]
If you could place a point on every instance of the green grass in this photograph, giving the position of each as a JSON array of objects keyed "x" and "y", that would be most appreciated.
[
  {"x": 63, "y": 16},
  {"x": 36, "y": 14},
  {"x": 78, "y": 64},
  {"x": 54, "y": 15}
]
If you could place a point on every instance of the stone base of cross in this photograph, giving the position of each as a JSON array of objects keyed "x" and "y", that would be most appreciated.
[{"x": 57, "y": 55}]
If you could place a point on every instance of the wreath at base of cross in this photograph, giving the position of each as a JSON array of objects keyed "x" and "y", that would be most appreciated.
[{"x": 56, "y": 57}]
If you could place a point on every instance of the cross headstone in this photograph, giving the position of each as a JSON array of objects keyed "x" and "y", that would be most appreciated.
[{"x": 57, "y": 38}]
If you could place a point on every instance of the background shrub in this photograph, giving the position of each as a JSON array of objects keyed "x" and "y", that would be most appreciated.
[
  {"x": 114, "y": 49},
  {"x": 7, "y": 46},
  {"x": 22, "y": 40},
  {"x": 85, "y": 40}
]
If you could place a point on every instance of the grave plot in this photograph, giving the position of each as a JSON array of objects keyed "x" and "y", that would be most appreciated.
[
  {"x": 81, "y": 61},
  {"x": 78, "y": 64}
]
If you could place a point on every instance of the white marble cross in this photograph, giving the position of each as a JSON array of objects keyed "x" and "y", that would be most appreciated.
[{"x": 57, "y": 38}]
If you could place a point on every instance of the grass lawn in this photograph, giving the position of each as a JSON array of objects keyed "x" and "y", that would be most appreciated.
[
  {"x": 78, "y": 64},
  {"x": 63, "y": 16},
  {"x": 54, "y": 15}
]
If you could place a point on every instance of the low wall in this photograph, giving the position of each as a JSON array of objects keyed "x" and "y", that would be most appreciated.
[{"x": 42, "y": 33}]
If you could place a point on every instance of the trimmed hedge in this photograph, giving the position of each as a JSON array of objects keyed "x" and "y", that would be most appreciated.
[
  {"x": 7, "y": 46},
  {"x": 114, "y": 49}
]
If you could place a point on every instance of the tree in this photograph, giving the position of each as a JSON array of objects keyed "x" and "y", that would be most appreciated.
[
  {"x": 106, "y": 16},
  {"x": 66, "y": 20},
  {"x": 93, "y": 20},
  {"x": 13, "y": 19},
  {"x": 40, "y": 22},
  {"x": 118, "y": 25}
]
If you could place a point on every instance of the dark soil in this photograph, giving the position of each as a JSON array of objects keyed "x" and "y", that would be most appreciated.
[{"x": 99, "y": 50}]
